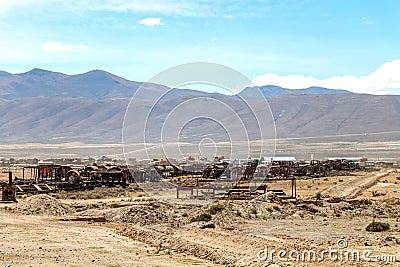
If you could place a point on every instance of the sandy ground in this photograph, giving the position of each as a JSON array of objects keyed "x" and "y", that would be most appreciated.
[
  {"x": 138, "y": 231},
  {"x": 46, "y": 241}
]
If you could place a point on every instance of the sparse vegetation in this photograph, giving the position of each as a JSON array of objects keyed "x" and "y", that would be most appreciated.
[
  {"x": 377, "y": 227},
  {"x": 208, "y": 225},
  {"x": 253, "y": 211},
  {"x": 377, "y": 193},
  {"x": 214, "y": 209},
  {"x": 273, "y": 206},
  {"x": 204, "y": 217},
  {"x": 335, "y": 199},
  {"x": 229, "y": 228}
]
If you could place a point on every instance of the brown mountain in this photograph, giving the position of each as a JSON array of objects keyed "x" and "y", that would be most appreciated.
[
  {"x": 44, "y": 106},
  {"x": 342, "y": 114}
]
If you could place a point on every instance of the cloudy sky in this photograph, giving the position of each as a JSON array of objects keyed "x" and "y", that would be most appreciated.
[{"x": 342, "y": 44}]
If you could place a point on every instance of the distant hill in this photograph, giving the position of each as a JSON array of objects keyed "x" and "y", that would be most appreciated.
[
  {"x": 51, "y": 107},
  {"x": 51, "y": 120},
  {"x": 339, "y": 114},
  {"x": 270, "y": 91},
  {"x": 99, "y": 84},
  {"x": 96, "y": 84}
]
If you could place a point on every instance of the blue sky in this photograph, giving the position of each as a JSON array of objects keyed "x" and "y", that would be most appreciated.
[{"x": 349, "y": 44}]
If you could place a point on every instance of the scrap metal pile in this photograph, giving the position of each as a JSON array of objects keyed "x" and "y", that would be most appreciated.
[
  {"x": 252, "y": 168},
  {"x": 276, "y": 171},
  {"x": 8, "y": 190},
  {"x": 211, "y": 171},
  {"x": 52, "y": 177},
  {"x": 314, "y": 168}
]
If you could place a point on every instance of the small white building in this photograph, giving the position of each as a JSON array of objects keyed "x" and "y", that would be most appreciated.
[{"x": 266, "y": 159}]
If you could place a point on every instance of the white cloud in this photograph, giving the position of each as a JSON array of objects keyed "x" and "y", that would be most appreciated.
[
  {"x": 366, "y": 21},
  {"x": 386, "y": 79},
  {"x": 229, "y": 16},
  {"x": 50, "y": 46},
  {"x": 151, "y": 22}
]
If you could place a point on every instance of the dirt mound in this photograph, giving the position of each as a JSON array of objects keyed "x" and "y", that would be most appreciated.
[
  {"x": 43, "y": 205},
  {"x": 141, "y": 214},
  {"x": 231, "y": 212},
  {"x": 163, "y": 241},
  {"x": 270, "y": 197}
]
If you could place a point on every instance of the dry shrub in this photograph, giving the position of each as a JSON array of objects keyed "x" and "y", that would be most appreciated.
[{"x": 377, "y": 227}]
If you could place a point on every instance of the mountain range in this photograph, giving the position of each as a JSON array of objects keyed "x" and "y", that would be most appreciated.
[
  {"x": 98, "y": 84},
  {"x": 52, "y": 107}
]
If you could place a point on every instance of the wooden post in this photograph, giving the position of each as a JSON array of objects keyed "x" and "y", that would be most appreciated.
[
  {"x": 294, "y": 187},
  {"x": 10, "y": 178}
]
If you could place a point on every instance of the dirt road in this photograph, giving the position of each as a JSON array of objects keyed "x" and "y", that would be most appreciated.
[{"x": 355, "y": 186}]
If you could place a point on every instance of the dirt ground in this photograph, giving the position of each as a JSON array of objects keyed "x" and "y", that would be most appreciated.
[
  {"x": 329, "y": 218},
  {"x": 46, "y": 241}
]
